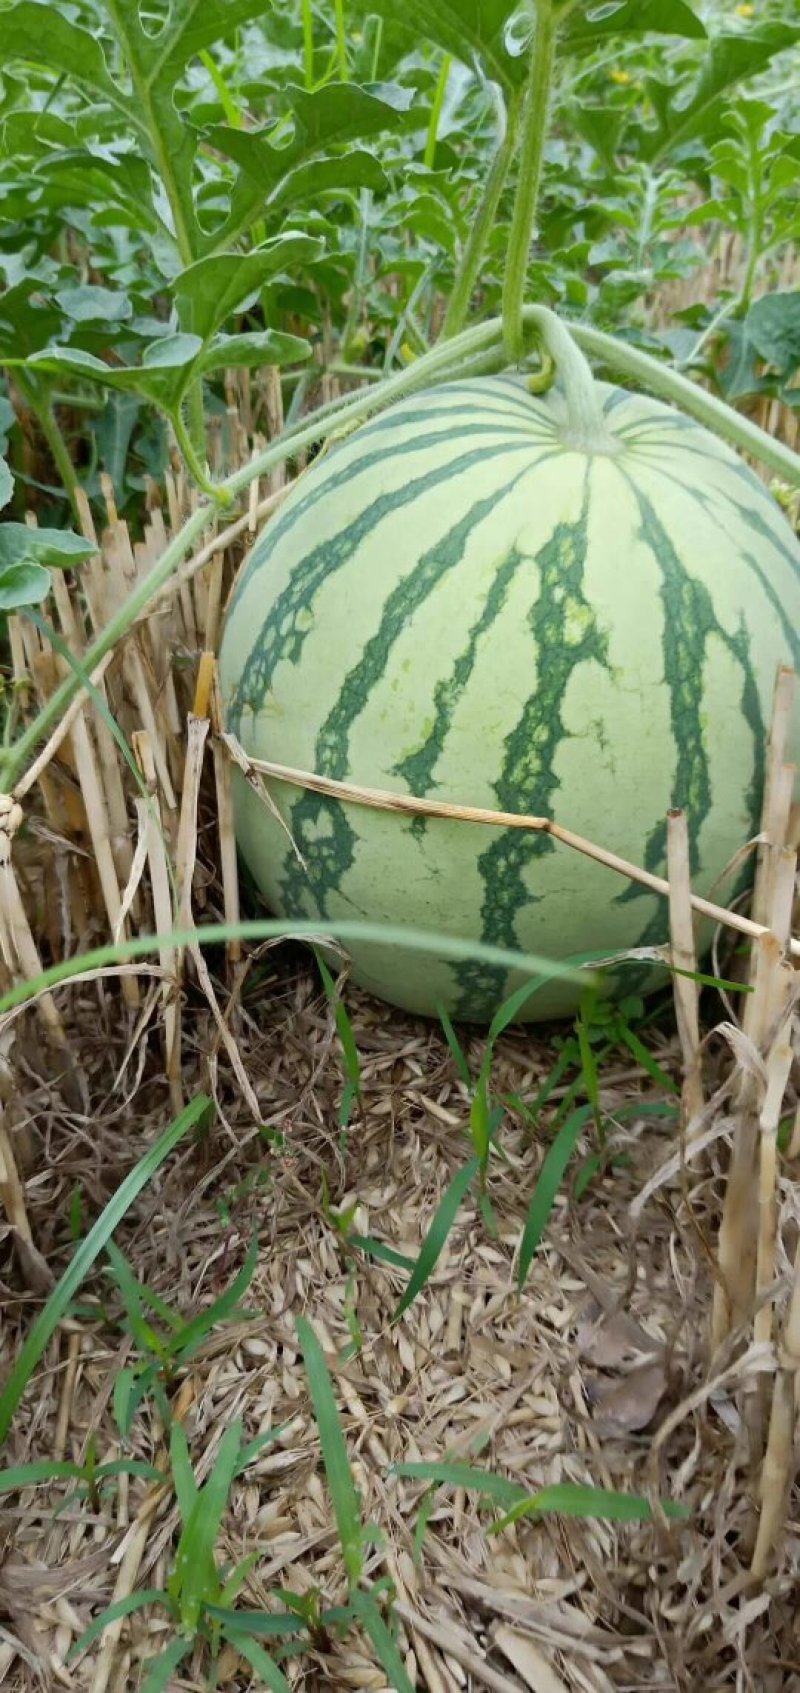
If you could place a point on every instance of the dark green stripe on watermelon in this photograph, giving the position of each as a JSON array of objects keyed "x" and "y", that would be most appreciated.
[
  {"x": 565, "y": 633},
  {"x": 418, "y": 767},
  {"x": 689, "y": 622},
  {"x": 716, "y": 507},
  {"x": 283, "y": 635},
  {"x": 329, "y": 859},
  {"x": 319, "y": 490}
]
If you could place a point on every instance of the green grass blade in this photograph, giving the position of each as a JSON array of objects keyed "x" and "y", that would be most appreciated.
[
  {"x": 567, "y": 1056},
  {"x": 183, "y": 1477},
  {"x": 266, "y": 1625},
  {"x": 344, "y": 1028},
  {"x": 571, "y": 1499},
  {"x": 88, "y": 1251},
  {"x": 131, "y": 1386},
  {"x": 262, "y": 1663},
  {"x": 459, "y": 1058},
  {"x": 344, "y": 1497},
  {"x": 588, "y": 1061},
  {"x": 436, "y": 1238},
  {"x": 160, "y": 1670},
  {"x": 378, "y": 1250},
  {"x": 149, "y": 1299},
  {"x": 130, "y": 1466},
  {"x": 388, "y": 1656},
  {"x": 255, "y": 1447},
  {"x": 280, "y": 928},
  {"x": 234, "y": 1582},
  {"x": 192, "y": 1334},
  {"x": 146, "y": 1337},
  {"x": 456, "y": 1474},
  {"x": 120, "y": 1608},
  {"x": 512, "y": 1006},
  {"x": 196, "y": 1582},
  {"x": 647, "y": 1061},
  {"x": 712, "y": 981},
  {"x": 551, "y": 1176},
  {"x": 38, "y": 1473},
  {"x": 479, "y": 1121}
]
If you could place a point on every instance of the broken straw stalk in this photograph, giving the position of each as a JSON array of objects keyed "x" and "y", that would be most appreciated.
[{"x": 384, "y": 800}]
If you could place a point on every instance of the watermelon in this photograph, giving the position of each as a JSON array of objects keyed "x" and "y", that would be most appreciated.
[{"x": 475, "y": 599}]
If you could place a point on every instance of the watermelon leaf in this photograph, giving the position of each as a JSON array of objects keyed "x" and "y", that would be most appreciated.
[
  {"x": 732, "y": 57},
  {"x": 773, "y": 329},
  {"x": 40, "y": 34},
  {"x": 209, "y": 290},
  {"x": 23, "y": 584},
  {"x": 171, "y": 364},
  {"x": 584, "y": 29},
  {"x": 468, "y": 29}
]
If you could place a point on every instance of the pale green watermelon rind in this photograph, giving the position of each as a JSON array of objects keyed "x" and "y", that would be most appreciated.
[{"x": 707, "y": 676}]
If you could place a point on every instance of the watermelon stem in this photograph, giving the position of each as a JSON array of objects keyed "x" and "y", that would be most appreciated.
[
  {"x": 586, "y": 427},
  {"x": 483, "y": 221},
  {"x": 535, "y": 119}
]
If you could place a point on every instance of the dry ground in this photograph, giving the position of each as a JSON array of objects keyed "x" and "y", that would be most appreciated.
[{"x": 597, "y": 1373}]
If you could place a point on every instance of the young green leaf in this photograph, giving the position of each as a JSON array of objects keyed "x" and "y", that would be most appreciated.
[
  {"x": 344, "y": 1497},
  {"x": 43, "y": 1470},
  {"x": 375, "y": 1628},
  {"x": 159, "y": 1671},
  {"x": 41, "y": 34},
  {"x": 23, "y": 585},
  {"x": 572, "y": 1499},
  {"x": 183, "y": 1477},
  {"x": 456, "y": 1049},
  {"x": 190, "y": 1335},
  {"x": 208, "y": 291},
  {"x": 454, "y": 1473},
  {"x": 112, "y": 1613},
  {"x": 438, "y": 1234},
  {"x": 378, "y": 1250},
  {"x": 467, "y": 29},
  {"x": 55, "y": 549},
  {"x": 88, "y": 1251},
  {"x": 265, "y": 1625},
  {"x": 265, "y": 1666},
  {"x": 551, "y": 1176},
  {"x": 585, "y": 27},
  {"x": 195, "y": 1582}
]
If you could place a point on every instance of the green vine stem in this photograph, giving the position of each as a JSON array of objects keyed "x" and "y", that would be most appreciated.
[
  {"x": 308, "y": 44},
  {"x": 667, "y": 383},
  {"x": 131, "y": 37},
  {"x": 436, "y": 112},
  {"x": 476, "y": 351},
  {"x": 40, "y": 402},
  {"x": 535, "y": 116},
  {"x": 482, "y": 223},
  {"x": 215, "y": 490}
]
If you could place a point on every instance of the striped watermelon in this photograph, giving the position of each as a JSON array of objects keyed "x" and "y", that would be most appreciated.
[{"x": 459, "y": 602}]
